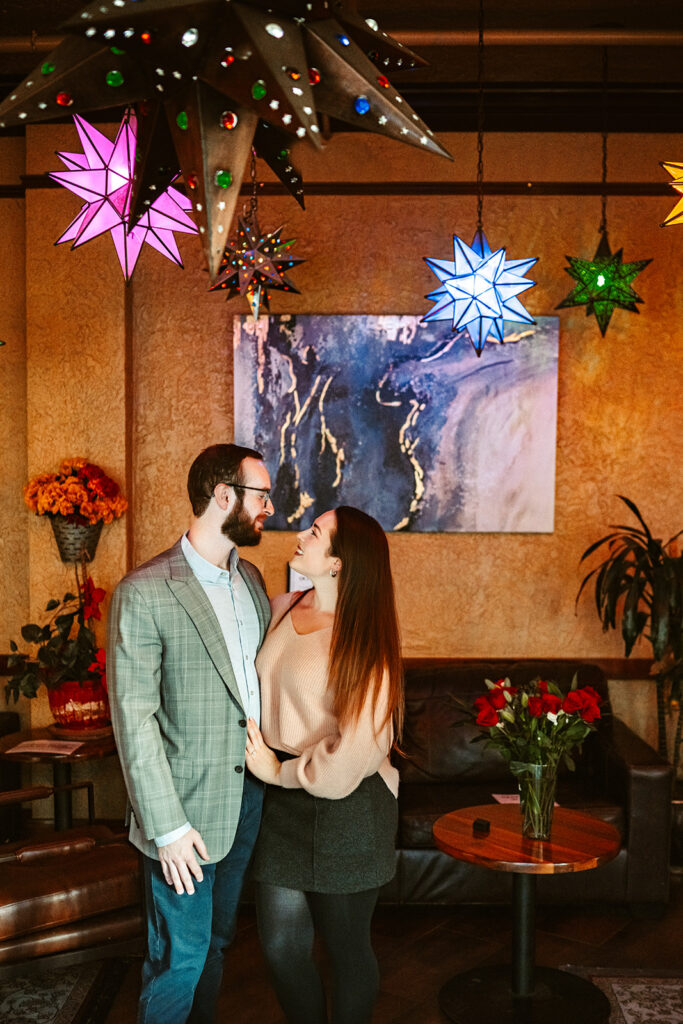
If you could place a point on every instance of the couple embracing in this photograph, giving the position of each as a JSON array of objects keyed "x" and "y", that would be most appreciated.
[{"x": 257, "y": 736}]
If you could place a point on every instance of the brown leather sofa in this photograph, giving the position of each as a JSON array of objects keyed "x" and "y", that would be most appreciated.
[
  {"x": 619, "y": 778},
  {"x": 68, "y": 897}
]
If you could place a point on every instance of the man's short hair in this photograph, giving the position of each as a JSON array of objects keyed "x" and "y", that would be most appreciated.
[{"x": 220, "y": 463}]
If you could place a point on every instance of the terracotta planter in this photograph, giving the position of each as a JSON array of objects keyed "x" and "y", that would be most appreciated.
[
  {"x": 80, "y": 706},
  {"x": 73, "y": 541}
]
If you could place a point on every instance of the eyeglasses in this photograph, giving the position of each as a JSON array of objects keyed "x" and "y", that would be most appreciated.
[{"x": 263, "y": 491}]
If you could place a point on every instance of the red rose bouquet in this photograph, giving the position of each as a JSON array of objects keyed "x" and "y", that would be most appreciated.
[
  {"x": 536, "y": 723},
  {"x": 535, "y": 727}
]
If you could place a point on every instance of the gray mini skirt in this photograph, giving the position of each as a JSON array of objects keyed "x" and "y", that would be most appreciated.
[{"x": 328, "y": 846}]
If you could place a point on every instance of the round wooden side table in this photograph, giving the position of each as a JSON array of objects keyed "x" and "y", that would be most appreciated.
[
  {"x": 61, "y": 763},
  {"x": 523, "y": 993}
]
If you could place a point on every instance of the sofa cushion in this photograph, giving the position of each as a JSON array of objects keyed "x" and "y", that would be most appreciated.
[
  {"x": 437, "y": 738},
  {"x": 48, "y": 893}
]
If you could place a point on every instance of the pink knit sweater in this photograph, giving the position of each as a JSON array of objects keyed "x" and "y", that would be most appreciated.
[{"x": 296, "y": 715}]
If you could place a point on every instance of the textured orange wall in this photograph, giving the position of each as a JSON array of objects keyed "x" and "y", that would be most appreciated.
[
  {"x": 619, "y": 410},
  {"x": 14, "y": 587},
  {"x": 619, "y": 419},
  {"x": 618, "y": 425}
]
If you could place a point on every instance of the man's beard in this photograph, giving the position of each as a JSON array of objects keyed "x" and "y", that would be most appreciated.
[{"x": 240, "y": 528}]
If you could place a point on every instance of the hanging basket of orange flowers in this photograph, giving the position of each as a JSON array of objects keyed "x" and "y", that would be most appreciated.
[{"x": 77, "y": 499}]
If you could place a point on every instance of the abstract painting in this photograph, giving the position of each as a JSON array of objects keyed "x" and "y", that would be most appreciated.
[{"x": 401, "y": 419}]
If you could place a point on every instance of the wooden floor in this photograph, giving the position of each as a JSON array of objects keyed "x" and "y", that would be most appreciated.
[{"x": 419, "y": 948}]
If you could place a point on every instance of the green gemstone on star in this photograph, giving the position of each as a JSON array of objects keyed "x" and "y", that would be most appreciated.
[
  {"x": 258, "y": 89},
  {"x": 181, "y": 121},
  {"x": 47, "y": 68},
  {"x": 116, "y": 51},
  {"x": 114, "y": 79},
  {"x": 223, "y": 179}
]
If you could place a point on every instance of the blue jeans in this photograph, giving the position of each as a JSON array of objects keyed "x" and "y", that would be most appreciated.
[{"x": 188, "y": 934}]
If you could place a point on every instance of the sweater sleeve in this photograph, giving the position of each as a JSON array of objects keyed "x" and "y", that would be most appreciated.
[{"x": 337, "y": 764}]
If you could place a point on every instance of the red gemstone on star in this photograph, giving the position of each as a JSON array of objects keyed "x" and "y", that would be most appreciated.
[
  {"x": 313, "y": 76},
  {"x": 227, "y": 60},
  {"x": 192, "y": 181},
  {"x": 64, "y": 99},
  {"x": 229, "y": 120},
  {"x": 383, "y": 81},
  {"x": 146, "y": 37}
]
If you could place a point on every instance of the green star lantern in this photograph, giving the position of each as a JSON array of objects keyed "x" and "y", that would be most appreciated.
[{"x": 603, "y": 284}]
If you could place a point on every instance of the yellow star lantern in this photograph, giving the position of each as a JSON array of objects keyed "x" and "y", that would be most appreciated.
[{"x": 676, "y": 172}]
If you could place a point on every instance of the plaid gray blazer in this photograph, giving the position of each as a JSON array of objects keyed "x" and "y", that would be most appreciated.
[{"x": 179, "y": 725}]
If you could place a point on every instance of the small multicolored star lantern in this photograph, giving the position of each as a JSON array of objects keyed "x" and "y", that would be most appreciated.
[
  {"x": 603, "y": 283},
  {"x": 103, "y": 175},
  {"x": 478, "y": 290},
  {"x": 676, "y": 172},
  {"x": 205, "y": 73},
  {"x": 256, "y": 263}
]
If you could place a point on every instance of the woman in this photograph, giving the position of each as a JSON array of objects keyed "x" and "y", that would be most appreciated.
[{"x": 332, "y": 699}]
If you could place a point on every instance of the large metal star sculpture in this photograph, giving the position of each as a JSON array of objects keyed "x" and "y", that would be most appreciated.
[
  {"x": 603, "y": 283},
  {"x": 209, "y": 76},
  {"x": 102, "y": 175},
  {"x": 676, "y": 172},
  {"x": 478, "y": 290},
  {"x": 255, "y": 263}
]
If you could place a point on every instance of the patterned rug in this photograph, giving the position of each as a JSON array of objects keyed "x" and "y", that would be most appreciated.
[
  {"x": 74, "y": 995},
  {"x": 640, "y": 997}
]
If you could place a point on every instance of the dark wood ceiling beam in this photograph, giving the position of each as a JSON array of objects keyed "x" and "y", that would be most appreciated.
[
  {"x": 449, "y": 37},
  {"x": 415, "y": 188}
]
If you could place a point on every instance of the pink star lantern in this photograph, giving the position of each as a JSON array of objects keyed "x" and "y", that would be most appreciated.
[{"x": 103, "y": 175}]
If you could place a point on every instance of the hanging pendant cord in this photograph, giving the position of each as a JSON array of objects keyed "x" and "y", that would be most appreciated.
[
  {"x": 480, "y": 118},
  {"x": 253, "y": 200},
  {"x": 603, "y": 219}
]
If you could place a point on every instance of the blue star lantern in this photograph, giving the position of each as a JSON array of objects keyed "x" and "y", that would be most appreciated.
[{"x": 479, "y": 290}]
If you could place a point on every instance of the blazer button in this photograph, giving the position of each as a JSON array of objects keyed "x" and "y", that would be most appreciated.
[
  {"x": 239, "y": 769},
  {"x": 243, "y": 723}
]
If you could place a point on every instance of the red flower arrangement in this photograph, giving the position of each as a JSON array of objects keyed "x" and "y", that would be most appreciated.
[
  {"x": 79, "y": 490},
  {"x": 536, "y": 723}
]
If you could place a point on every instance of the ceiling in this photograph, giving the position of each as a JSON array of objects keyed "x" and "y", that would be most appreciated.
[{"x": 543, "y": 60}]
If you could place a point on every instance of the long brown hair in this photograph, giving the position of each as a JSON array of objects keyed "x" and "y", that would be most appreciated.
[{"x": 365, "y": 638}]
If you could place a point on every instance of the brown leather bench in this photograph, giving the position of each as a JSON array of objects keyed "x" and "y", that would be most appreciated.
[{"x": 72, "y": 897}]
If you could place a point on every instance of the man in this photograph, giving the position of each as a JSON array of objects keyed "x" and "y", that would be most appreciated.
[{"x": 184, "y": 630}]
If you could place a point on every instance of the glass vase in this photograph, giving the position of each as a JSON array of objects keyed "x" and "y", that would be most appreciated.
[{"x": 537, "y": 784}]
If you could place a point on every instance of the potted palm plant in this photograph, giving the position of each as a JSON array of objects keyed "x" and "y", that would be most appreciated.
[{"x": 639, "y": 586}]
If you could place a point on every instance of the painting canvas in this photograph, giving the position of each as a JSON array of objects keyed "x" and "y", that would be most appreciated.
[{"x": 401, "y": 419}]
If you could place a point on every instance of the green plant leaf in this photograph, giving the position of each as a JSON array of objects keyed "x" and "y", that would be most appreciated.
[
  {"x": 660, "y": 616},
  {"x": 629, "y": 619},
  {"x": 636, "y": 511},
  {"x": 32, "y": 633},
  {"x": 64, "y": 623},
  {"x": 594, "y": 547}
]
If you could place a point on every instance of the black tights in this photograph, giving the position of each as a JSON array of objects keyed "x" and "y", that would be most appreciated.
[{"x": 287, "y": 919}]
